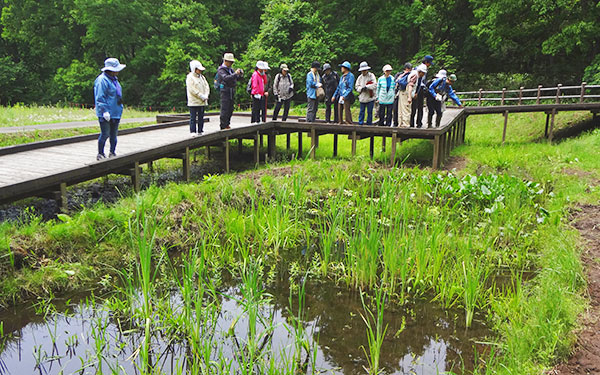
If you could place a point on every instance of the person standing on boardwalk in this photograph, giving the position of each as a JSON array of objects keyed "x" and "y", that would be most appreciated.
[
  {"x": 386, "y": 92},
  {"x": 283, "y": 89},
  {"x": 366, "y": 85},
  {"x": 313, "y": 82},
  {"x": 258, "y": 83},
  {"x": 414, "y": 88},
  {"x": 401, "y": 105},
  {"x": 344, "y": 95},
  {"x": 330, "y": 82},
  {"x": 197, "y": 95},
  {"x": 417, "y": 101},
  {"x": 108, "y": 98},
  {"x": 227, "y": 79},
  {"x": 439, "y": 91}
]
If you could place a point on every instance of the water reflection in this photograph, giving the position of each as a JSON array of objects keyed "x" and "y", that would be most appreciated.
[{"x": 421, "y": 338}]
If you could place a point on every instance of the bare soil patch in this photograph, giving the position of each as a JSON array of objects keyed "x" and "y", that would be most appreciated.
[{"x": 586, "y": 356}]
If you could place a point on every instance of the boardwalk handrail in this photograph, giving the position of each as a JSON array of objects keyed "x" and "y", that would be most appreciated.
[{"x": 581, "y": 93}]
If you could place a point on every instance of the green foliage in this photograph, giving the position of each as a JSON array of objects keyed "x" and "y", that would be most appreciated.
[
  {"x": 75, "y": 82},
  {"x": 46, "y": 47},
  {"x": 12, "y": 76},
  {"x": 592, "y": 72}
]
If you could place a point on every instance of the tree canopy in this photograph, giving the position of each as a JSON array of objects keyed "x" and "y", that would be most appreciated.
[{"x": 52, "y": 50}]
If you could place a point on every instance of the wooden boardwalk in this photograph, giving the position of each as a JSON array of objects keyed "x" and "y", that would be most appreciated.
[{"x": 47, "y": 168}]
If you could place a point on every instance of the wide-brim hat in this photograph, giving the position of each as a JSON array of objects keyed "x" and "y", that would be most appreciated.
[
  {"x": 441, "y": 74},
  {"x": 422, "y": 68},
  {"x": 363, "y": 66},
  {"x": 262, "y": 65},
  {"x": 229, "y": 57},
  {"x": 284, "y": 67},
  {"x": 346, "y": 64},
  {"x": 113, "y": 65},
  {"x": 387, "y": 67}
]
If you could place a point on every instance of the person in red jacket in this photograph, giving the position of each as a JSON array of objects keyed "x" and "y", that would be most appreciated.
[{"x": 259, "y": 84}]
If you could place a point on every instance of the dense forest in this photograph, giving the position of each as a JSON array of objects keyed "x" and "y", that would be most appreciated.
[{"x": 51, "y": 50}]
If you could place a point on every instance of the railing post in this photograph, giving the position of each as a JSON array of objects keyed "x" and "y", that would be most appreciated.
[
  {"x": 582, "y": 96},
  {"x": 558, "y": 93},
  {"x": 521, "y": 94},
  {"x": 503, "y": 95},
  {"x": 393, "y": 153},
  {"x": 539, "y": 93},
  {"x": 505, "y": 126},
  {"x": 479, "y": 100}
]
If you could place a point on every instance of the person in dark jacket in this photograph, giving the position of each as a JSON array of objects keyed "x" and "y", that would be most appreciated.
[
  {"x": 227, "y": 79},
  {"x": 438, "y": 92},
  {"x": 330, "y": 83},
  {"x": 417, "y": 102}
]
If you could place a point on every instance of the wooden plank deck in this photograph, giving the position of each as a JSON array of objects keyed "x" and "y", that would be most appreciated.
[{"x": 41, "y": 167}]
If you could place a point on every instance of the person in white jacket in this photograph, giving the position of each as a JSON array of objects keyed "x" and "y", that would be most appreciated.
[
  {"x": 366, "y": 85},
  {"x": 197, "y": 95}
]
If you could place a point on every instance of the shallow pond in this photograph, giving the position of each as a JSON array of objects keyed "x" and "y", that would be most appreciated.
[{"x": 421, "y": 338}]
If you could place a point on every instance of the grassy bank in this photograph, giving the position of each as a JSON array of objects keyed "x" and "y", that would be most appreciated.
[
  {"x": 491, "y": 239},
  {"x": 22, "y": 115}
]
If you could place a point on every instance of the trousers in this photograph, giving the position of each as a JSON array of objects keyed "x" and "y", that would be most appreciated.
[{"x": 108, "y": 130}]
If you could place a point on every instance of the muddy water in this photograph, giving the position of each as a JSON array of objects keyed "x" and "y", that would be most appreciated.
[{"x": 420, "y": 339}]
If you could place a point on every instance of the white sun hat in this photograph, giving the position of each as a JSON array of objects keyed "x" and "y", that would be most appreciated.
[
  {"x": 195, "y": 64},
  {"x": 113, "y": 65},
  {"x": 442, "y": 74},
  {"x": 363, "y": 66},
  {"x": 387, "y": 67},
  {"x": 422, "y": 68}
]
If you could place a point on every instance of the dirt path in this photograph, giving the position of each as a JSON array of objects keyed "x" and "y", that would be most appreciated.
[{"x": 586, "y": 359}]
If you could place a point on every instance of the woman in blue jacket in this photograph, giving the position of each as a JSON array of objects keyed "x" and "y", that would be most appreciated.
[
  {"x": 439, "y": 91},
  {"x": 108, "y": 98},
  {"x": 343, "y": 94}
]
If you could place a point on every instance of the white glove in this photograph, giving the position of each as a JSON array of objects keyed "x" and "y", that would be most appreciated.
[
  {"x": 341, "y": 100},
  {"x": 438, "y": 97},
  {"x": 319, "y": 85},
  {"x": 106, "y": 116},
  {"x": 257, "y": 96},
  {"x": 204, "y": 97}
]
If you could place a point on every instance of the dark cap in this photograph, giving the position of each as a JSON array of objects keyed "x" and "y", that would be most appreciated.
[
  {"x": 428, "y": 59},
  {"x": 408, "y": 66},
  {"x": 316, "y": 64}
]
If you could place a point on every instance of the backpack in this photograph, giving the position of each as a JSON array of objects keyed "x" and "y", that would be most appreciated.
[
  {"x": 402, "y": 81},
  {"x": 249, "y": 87},
  {"x": 216, "y": 83}
]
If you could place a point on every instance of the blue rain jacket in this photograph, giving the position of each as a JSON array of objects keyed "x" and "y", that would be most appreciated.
[
  {"x": 106, "y": 99},
  {"x": 311, "y": 84},
  {"x": 441, "y": 86},
  {"x": 345, "y": 86}
]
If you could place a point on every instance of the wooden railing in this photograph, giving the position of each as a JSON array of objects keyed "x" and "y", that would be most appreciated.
[{"x": 541, "y": 95}]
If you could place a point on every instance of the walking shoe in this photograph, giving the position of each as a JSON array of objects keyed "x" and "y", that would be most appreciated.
[
  {"x": 112, "y": 155},
  {"x": 100, "y": 156},
  {"x": 192, "y": 135},
  {"x": 200, "y": 133}
]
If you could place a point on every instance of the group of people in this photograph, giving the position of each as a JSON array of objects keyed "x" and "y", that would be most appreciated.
[{"x": 400, "y": 97}]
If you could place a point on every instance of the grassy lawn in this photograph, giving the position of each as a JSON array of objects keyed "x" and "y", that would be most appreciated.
[
  {"x": 21, "y": 115},
  {"x": 11, "y": 139},
  {"x": 491, "y": 239}
]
